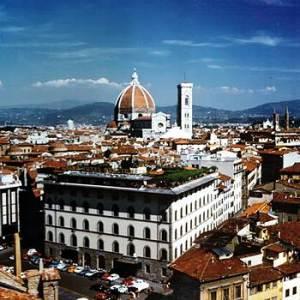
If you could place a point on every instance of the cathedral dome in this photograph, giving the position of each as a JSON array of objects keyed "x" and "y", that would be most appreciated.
[{"x": 135, "y": 99}]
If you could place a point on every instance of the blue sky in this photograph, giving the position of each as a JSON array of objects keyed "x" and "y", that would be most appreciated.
[{"x": 238, "y": 53}]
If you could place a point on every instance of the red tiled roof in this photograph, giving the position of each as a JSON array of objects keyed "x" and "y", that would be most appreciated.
[
  {"x": 263, "y": 274},
  {"x": 294, "y": 169},
  {"x": 205, "y": 266},
  {"x": 285, "y": 198},
  {"x": 7, "y": 294}
]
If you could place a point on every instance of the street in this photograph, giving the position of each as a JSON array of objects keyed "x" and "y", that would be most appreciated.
[{"x": 73, "y": 286}]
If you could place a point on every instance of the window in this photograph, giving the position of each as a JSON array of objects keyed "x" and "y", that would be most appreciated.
[
  {"x": 287, "y": 293},
  {"x": 73, "y": 240},
  {"x": 100, "y": 208},
  {"x": 130, "y": 249},
  {"x": 175, "y": 253},
  {"x": 100, "y": 195},
  {"x": 49, "y": 220},
  {"x": 73, "y": 205},
  {"x": 130, "y": 212},
  {"x": 147, "y": 213},
  {"x": 130, "y": 231},
  {"x": 164, "y": 272},
  {"x": 147, "y": 252},
  {"x": 175, "y": 234},
  {"x": 115, "y": 247},
  {"x": 85, "y": 207},
  {"x": 267, "y": 286},
  {"x": 238, "y": 291},
  {"x": 147, "y": 233},
  {"x": 73, "y": 223},
  {"x": 100, "y": 226},
  {"x": 61, "y": 238},
  {"x": 164, "y": 216},
  {"x": 147, "y": 268},
  {"x": 86, "y": 225},
  {"x": 274, "y": 284},
  {"x": 163, "y": 254},
  {"x": 181, "y": 230},
  {"x": 181, "y": 212},
  {"x": 115, "y": 228},
  {"x": 86, "y": 242},
  {"x": 61, "y": 204},
  {"x": 61, "y": 221},
  {"x": 175, "y": 215},
  {"x": 100, "y": 244},
  {"x": 213, "y": 295},
  {"x": 294, "y": 290},
  {"x": 163, "y": 235},
  {"x": 225, "y": 294},
  {"x": 50, "y": 236},
  {"x": 115, "y": 209}
]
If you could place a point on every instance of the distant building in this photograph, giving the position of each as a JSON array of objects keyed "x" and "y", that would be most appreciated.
[
  {"x": 9, "y": 213},
  {"x": 185, "y": 107}
]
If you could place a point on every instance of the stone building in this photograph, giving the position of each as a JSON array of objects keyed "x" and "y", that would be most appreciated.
[{"x": 129, "y": 222}]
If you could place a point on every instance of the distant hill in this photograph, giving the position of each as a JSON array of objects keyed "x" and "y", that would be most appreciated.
[{"x": 102, "y": 112}]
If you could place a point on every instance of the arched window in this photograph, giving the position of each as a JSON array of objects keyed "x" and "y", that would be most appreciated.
[
  {"x": 164, "y": 216},
  {"x": 147, "y": 233},
  {"x": 115, "y": 209},
  {"x": 115, "y": 228},
  {"x": 85, "y": 207},
  {"x": 73, "y": 240},
  {"x": 130, "y": 212},
  {"x": 181, "y": 212},
  {"x": 86, "y": 225},
  {"x": 175, "y": 234},
  {"x": 100, "y": 244},
  {"x": 73, "y": 205},
  {"x": 100, "y": 226},
  {"x": 50, "y": 236},
  {"x": 130, "y": 249},
  {"x": 115, "y": 247},
  {"x": 176, "y": 253},
  {"x": 100, "y": 208},
  {"x": 163, "y": 235},
  {"x": 163, "y": 254},
  {"x": 86, "y": 242},
  {"x": 175, "y": 215},
  {"x": 147, "y": 252},
  {"x": 49, "y": 220},
  {"x": 181, "y": 230},
  {"x": 130, "y": 231},
  {"x": 61, "y": 221},
  {"x": 147, "y": 213},
  {"x": 73, "y": 223},
  {"x": 61, "y": 238}
]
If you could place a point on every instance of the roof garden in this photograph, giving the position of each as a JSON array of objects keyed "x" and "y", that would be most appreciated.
[{"x": 177, "y": 176}]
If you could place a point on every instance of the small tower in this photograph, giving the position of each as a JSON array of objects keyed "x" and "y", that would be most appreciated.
[
  {"x": 287, "y": 118},
  {"x": 275, "y": 121},
  {"x": 185, "y": 107}
]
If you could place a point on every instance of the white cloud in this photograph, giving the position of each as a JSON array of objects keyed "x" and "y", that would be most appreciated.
[
  {"x": 214, "y": 67},
  {"x": 58, "y": 83},
  {"x": 1, "y": 84},
  {"x": 264, "y": 40},
  {"x": 12, "y": 29},
  {"x": 160, "y": 52},
  {"x": 32, "y": 44},
  {"x": 282, "y": 3},
  {"x": 189, "y": 43},
  {"x": 268, "y": 89}
]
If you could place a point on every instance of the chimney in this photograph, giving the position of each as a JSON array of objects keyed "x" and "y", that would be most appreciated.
[{"x": 18, "y": 261}]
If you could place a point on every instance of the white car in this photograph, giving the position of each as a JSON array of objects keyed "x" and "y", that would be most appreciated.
[
  {"x": 31, "y": 252},
  {"x": 113, "y": 277},
  {"x": 78, "y": 269},
  {"x": 1, "y": 248},
  {"x": 61, "y": 266},
  {"x": 121, "y": 288},
  {"x": 140, "y": 285},
  {"x": 90, "y": 272}
]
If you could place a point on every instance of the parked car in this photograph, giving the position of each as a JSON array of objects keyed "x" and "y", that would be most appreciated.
[
  {"x": 84, "y": 271},
  {"x": 120, "y": 288},
  {"x": 78, "y": 269},
  {"x": 53, "y": 264},
  {"x": 97, "y": 275},
  {"x": 31, "y": 252},
  {"x": 2, "y": 247},
  {"x": 140, "y": 285},
  {"x": 113, "y": 277},
  {"x": 62, "y": 266},
  {"x": 71, "y": 268}
]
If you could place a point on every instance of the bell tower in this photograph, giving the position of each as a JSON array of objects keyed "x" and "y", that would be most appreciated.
[{"x": 185, "y": 107}]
